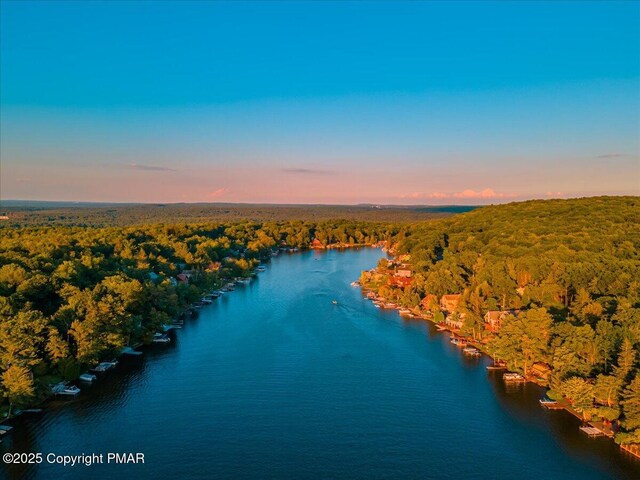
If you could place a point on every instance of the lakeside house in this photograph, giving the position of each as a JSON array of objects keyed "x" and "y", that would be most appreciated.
[
  {"x": 427, "y": 302},
  {"x": 403, "y": 272},
  {"x": 541, "y": 371},
  {"x": 455, "y": 321},
  {"x": 183, "y": 278},
  {"x": 449, "y": 303},
  {"x": 493, "y": 318},
  {"x": 402, "y": 276},
  {"x": 401, "y": 282}
]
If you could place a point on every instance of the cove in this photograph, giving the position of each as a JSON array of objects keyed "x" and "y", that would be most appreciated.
[{"x": 275, "y": 381}]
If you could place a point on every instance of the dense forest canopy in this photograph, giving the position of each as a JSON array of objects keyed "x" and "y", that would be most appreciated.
[
  {"x": 566, "y": 274},
  {"x": 71, "y": 296},
  {"x": 25, "y": 213}
]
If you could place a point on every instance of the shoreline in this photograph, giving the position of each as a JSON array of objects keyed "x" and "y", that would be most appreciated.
[{"x": 633, "y": 450}]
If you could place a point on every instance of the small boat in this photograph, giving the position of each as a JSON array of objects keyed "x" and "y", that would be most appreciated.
[
  {"x": 87, "y": 377},
  {"x": 513, "y": 377},
  {"x": 404, "y": 312},
  {"x": 335, "y": 302},
  {"x": 440, "y": 328},
  {"x": 69, "y": 391},
  {"x": 207, "y": 301},
  {"x": 33, "y": 410},
  {"x": 497, "y": 366},
  {"x": 102, "y": 367},
  {"x": 161, "y": 338},
  {"x": 548, "y": 403},
  {"x": 130, "y": 351},
  {"x": 355, "y": 284},
  {"x": 472, "y": 351},
  {"x": 261, "y": 268}
]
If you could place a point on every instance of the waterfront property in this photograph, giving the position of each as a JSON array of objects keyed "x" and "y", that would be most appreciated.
[{"x": 278, "y": 381}]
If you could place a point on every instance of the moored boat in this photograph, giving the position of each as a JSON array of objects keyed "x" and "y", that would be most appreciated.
[
  {"x": 513, "y": 377},
  {"x": 472, "y": 352},
  {"x": 87, "y": 377},
  {"x": 161, "y": 338}
]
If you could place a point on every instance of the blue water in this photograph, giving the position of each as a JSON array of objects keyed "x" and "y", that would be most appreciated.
[{"x": 274, "y": 381}]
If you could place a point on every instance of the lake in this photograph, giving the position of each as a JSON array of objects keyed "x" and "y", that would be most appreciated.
[{"x": 275, "y": 381}]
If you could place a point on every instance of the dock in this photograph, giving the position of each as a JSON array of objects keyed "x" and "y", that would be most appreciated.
[
  {"x": 631, "y": 450},
  {"x": 551, "y": 405},
  {"x": 592, "y": 431}
]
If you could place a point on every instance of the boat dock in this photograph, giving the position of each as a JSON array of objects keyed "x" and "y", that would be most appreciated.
[{"x": 592, "y": 431}]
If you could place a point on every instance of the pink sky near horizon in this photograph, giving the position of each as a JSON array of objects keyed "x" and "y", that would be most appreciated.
[{"x": 403, "y": 185}]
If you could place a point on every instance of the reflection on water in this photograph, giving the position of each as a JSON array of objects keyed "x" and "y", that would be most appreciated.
[{"x": 275, "y": 381}]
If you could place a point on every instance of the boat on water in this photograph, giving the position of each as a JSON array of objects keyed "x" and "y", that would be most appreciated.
[
  {"x": 33, "y": 410},
  {"x": 472, "y": 351},
  {"x": 87, "y": 377},
  {"x": 513, "y": 377},
  {"x": 65, "y": 390},
  {"x": 405, "y": 312},
  {"x": 161, "y": 338},
  {"x": 71, "y": 390},
  {"x": 548, "y": 403},
  {"x": 497, "y": 366},
  {"x": 104, "y": 366},
  {"x": 130, "y": 351},
  {"x": 335, "y": 302},
  {"x": 207, "y": 301},
  {"x": 355, "y": 284},
  {"x": 261, "y": 268}
]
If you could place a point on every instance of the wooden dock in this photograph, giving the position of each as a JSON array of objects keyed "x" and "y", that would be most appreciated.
[
  {"x": 631, "y": 450},
  {"x": 550, "y": 405},
  {"x": 592, "y": 431}
]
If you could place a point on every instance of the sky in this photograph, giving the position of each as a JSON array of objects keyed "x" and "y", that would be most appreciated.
[{"x": 319, "y": 102}]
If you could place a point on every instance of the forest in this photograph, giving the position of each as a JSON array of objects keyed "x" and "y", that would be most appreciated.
[
  {"x": 72, "y": 296},
  {"x": 567, "y": 275},
  {"x": 26, "y": 213}
]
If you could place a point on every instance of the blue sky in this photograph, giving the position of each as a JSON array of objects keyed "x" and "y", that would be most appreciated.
[{"x": 304, "y": 102}]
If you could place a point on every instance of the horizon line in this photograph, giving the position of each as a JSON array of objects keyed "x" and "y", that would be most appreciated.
[{"x": 364, "y": 204}]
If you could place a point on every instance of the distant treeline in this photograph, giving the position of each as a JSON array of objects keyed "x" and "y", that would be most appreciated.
[
  {"x": 71, "y": 296},
  {"x": 96, "y": 215}
]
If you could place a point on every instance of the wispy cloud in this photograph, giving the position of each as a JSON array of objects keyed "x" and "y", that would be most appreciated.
[
  {"x": 150, "y": 168},
  {"x": 555, "y": 194},
  {"x": 218, "y": 193},
  {"x": 306, "y": 171},
  {"x": 487, "y": 193},
  {"x": 612, "y": 155}
]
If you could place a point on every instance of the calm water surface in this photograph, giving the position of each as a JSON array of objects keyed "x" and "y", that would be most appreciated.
[{"x": 274, "y": 381}]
